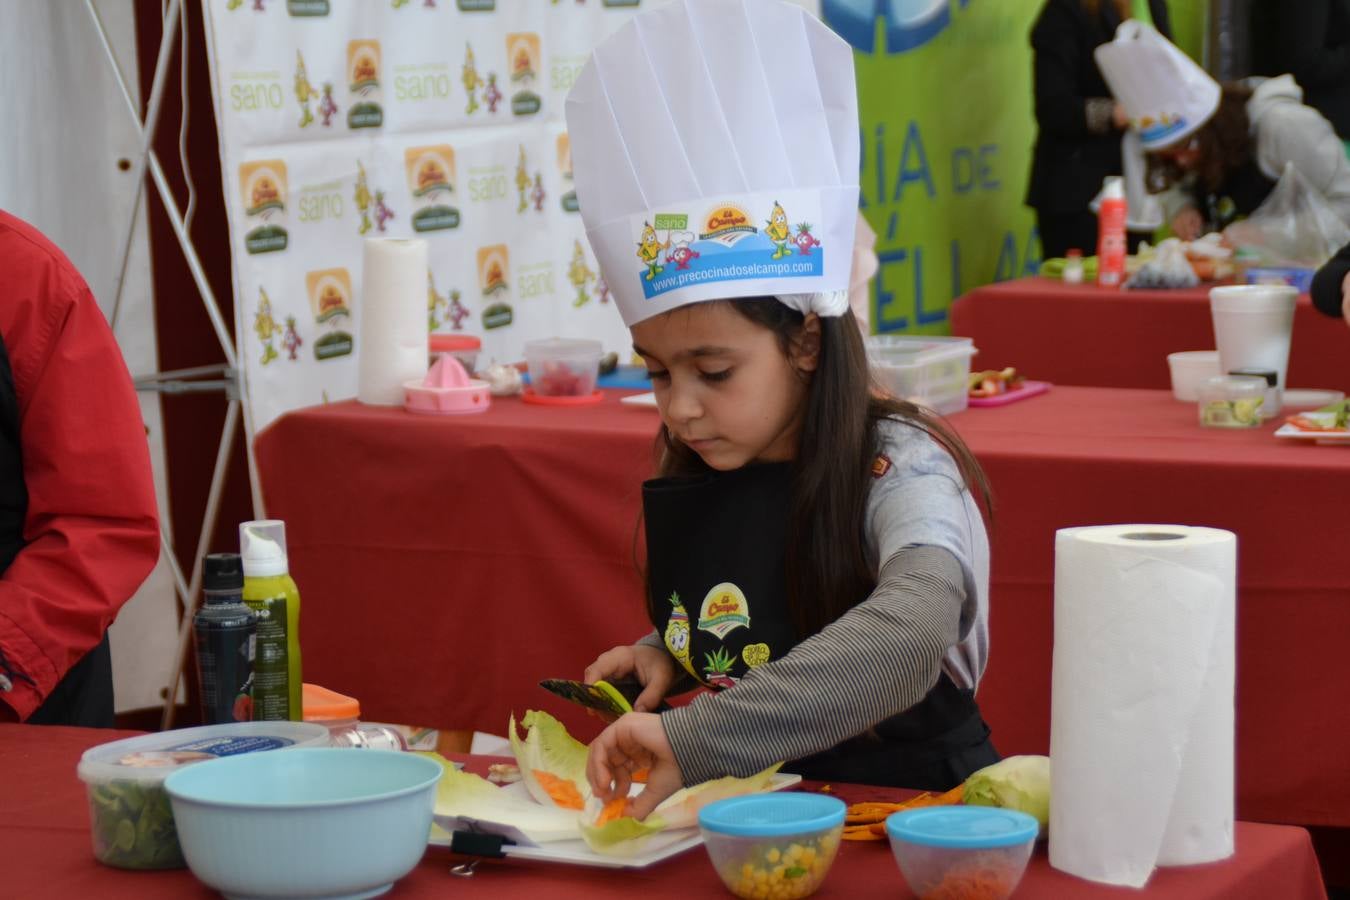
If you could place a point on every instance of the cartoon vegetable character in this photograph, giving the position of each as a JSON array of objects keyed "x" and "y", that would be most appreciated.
[
  {"x": 649, "y": 251},
  {"x": 717, "y": 668},
  {"x": 579, "y": 274},
  {"x": 362, "y": 197},
  {"x": 470, "y": 78},
  {"x": 492, "y": 94},
  {"x": 778, "y": 231},
  {"x": 677, "y": 634},
  {"x": 304, "y": 91},
  {"x": 327, "y": 106},
  {"x": 291, "y": 339},
  {"x": 382, "y": 211},
  {"x": 265, "y": 326},
  {"x": 805, "y": 240}
]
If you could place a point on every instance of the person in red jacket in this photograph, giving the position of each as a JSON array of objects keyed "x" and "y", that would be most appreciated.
[{"x": 79, "y": 530}]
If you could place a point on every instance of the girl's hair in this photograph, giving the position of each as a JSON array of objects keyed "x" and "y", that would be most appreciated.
[
  {"x": 1224, "y": 143},
  {"x": 827, "y": 568},
  {"x": 1122, "y": 8}
]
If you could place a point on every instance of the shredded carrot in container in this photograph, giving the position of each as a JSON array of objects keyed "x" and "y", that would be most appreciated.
[{"x": 979, "y": 879}]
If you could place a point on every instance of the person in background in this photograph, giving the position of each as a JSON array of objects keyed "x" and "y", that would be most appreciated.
[
  {"x": 79, "y": 530},
  {"x": 1309, "y": 39},
  {"x": 1228, "y": 167},
  {"x": 1331, "y": 286},
  {"x": 1080, "y": 125}
]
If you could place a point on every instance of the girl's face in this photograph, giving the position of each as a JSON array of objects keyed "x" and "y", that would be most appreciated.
[{"x": 723, "y": 384}]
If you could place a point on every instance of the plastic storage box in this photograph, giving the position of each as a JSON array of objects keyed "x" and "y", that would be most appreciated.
[
  {"x": 930, "y": 371},
  {"x": 130, "y": 820}
]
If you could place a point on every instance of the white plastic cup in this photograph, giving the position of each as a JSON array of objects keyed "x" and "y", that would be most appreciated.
[
  {"x": 1190, "y": 369},
  {"x": 1253, "y": 324}
]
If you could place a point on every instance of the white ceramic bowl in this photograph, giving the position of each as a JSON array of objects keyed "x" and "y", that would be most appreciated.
[
  {"x": 312, "y": 823},
  {"x": 1190, "y": 369}
]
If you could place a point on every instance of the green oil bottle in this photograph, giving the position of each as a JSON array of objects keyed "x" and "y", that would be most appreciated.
[{"x": 272, "y": 594}]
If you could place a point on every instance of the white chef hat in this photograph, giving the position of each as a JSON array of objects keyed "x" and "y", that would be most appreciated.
[
  {"x": 1166, "y": 95},
  {"x": 715, "y": 154}
]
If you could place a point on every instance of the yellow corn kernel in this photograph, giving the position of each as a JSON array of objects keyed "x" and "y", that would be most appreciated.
[{"x": 773, "y": 855}]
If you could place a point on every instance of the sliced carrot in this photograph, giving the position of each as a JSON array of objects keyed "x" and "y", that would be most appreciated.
[
  {"x": 563, "y": 792},
  {"x": 640, "y": 776},
  {"x": 612, "y": 810}
]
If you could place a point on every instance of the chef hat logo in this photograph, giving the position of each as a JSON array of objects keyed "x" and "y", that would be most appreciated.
[
  {"x": 702, "y": 106},
  {"x": 1166, "y": 95}
]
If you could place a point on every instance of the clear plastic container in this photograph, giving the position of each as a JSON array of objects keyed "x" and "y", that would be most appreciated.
[
  {"x": 463, "y": 347},
  {"x": 1232, "y": 401},
  {"x": 563, "y": 367},
  {"x": 341, "y": 715},
  {"x": 130, "y": 820},
  {"x": 930, "y": 371},
  {"x": 962, "y": 851},
  {"x": 777, "y": 845}
]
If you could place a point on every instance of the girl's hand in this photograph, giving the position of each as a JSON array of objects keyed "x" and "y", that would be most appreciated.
[
  {"x": 652, "y": 667},
  {"x": 636, "y": 741},
  {"x": 1188, "y": 224}
]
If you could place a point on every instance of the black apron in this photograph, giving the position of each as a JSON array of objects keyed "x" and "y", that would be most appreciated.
[{"x": 716, "y": 558}]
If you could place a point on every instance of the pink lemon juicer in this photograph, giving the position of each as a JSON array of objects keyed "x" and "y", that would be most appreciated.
[{"x": 447, "y": 390}]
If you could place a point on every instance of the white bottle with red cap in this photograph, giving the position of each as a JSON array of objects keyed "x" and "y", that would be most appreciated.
[{"x": 1111, "y": 246}]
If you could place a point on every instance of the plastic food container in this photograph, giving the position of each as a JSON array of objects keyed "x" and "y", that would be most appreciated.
[
  {"x": 130, "y": 820},
  {"x": 463, "y": 347},
  {"x": 773, "y": 845},
  {"x": 962, "y": 851},
  {"x": 1190, "y": 369},
  {"x": 563, "y": 367},
  {"x": 1232, "y": 401},
  {"x": 316, "y": 823},
  {"x": 930, "y": 371},
  {"x": 341, "y": 715}
]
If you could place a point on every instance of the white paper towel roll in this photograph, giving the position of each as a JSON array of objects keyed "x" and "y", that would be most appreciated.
[
  {"x": 392, "y": 347},
  {"x": 1141, "y": 716}
]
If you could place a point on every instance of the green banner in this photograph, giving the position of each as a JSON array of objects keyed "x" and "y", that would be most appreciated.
[{"x": 947, "y": 128}]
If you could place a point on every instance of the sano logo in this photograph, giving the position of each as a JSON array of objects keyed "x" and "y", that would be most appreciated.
[{"x": 909, "y": 24}]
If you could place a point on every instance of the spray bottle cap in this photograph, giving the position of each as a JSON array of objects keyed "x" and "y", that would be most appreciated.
[
  {"x": 1113, "y": 188},
  {"x": 263, "y": 545},
  {"x": 221, "y": 573}
]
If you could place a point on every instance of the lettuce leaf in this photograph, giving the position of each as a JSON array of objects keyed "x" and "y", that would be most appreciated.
[
  {"x": 552, "y": 762},
  {"x": 680, "y": 809},
  {"x": 462, "y": 796},
  {"x": 620, "y": 837},
  {"x": 1018, "y": 782}
]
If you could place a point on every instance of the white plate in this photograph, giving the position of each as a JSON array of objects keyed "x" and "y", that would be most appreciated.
[
  {"x": 575, "y": 852},
  {"x": 647, "y": 399},
  {"x": 1322, "y": 437}
]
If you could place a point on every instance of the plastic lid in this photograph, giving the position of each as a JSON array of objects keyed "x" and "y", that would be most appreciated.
[
  {"x": 152, "y": 757},
  {"x": 1113, "y": 188},
  {"x": 448, "y": 343},
  {"x": 963, "y": 827},
  {"x": 263, "y": 545},
  {"x": 322, "y": 705},
  {"x": 1233, "y": 386},
  {"x": 222, "y": 572},
  {"x": 1270, "y": 375},
  {"x": 772, "y": 815}
]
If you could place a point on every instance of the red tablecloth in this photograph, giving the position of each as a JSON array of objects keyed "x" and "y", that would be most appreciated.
[
  {"x": 1085, "y": 335},
  {"x": 45, "y": 852},
  {"x": 448, "y": 564}
]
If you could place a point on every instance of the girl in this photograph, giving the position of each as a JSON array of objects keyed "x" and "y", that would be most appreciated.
[
  {"x": 846, "y": 521},
  {"x": 814, "y": 552},
  {"x": 1232, "y": 163}
]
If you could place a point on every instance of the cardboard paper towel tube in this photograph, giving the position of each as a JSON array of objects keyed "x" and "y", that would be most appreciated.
[
  {"x": 392, "y": 347},
  {"x": 1141, "y": 716}
]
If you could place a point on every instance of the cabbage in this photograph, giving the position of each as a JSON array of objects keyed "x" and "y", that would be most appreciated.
[
  {"x": 462, "y": 796},
  {"x": 1018, "y": 782},
  {"x": 621, "y": 836},
  {"x": 552, "y": 762}
]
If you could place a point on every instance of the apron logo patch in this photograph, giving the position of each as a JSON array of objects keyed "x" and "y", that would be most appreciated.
[
  {"x": 724, "y": 610},
  {"x": 881, "y": 465},
  {"x": 717, "y": 669},
  {"x": 755, "y": 654},
  {"x": 677, "y": 634}
]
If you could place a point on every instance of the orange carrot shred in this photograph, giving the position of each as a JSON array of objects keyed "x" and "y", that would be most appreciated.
[{"x": 612, "y": 810}]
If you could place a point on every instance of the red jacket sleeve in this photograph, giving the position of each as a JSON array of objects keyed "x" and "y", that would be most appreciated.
[{"x": 91, "y": 531}]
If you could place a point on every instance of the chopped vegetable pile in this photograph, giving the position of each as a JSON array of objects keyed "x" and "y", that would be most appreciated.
[{"x": 992, "y": 382}]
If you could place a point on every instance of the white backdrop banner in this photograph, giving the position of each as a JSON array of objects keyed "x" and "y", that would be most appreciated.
[{"x": 439, "y": 119}]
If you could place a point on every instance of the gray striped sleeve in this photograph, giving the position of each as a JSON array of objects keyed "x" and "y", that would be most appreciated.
[{"x": 875, "y": 661}]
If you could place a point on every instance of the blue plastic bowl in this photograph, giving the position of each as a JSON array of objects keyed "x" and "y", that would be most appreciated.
[
  {"x": 948, "y": 848},
  {"x": 773, "y": 844},
  {"x": 308, "y": 823}
]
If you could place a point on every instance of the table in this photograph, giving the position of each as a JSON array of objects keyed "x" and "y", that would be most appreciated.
[
  {"x": 45, "y": 852},
  {"x": 491, "y": 551},
  {"x": 1085, "y": 335}
]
